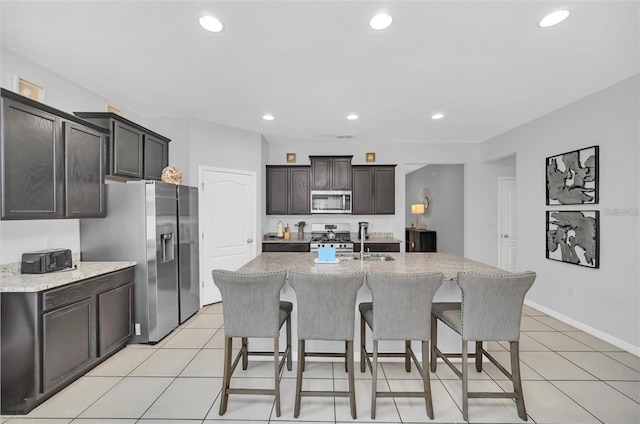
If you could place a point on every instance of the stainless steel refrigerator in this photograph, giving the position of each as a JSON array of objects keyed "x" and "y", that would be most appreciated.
[{"x": 154, "y": 224}]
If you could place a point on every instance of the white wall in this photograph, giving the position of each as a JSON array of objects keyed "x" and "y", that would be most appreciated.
[
  {"x": 607, "y": 299},
  {"x": 481, "y": 205}
]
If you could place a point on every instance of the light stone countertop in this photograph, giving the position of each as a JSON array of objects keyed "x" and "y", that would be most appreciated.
[
  {"x": 403, "y": 263},
  {"x": 11, "y": 280}
]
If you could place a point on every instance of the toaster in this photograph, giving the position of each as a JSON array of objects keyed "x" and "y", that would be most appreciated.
[{"x": 45, "y": 261}]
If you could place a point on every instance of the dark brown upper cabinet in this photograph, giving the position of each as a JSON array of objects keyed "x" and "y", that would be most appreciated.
[
  {"x": 288, "y": 190},
  {"x": 330, "y": 172},
  {"x": 134, "y": 151},
  {"x": 53, "y": 163},
  {"x": 374, "y": 190}
]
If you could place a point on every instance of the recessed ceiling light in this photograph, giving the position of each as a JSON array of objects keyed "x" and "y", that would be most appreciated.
[
  {"x": 437, "y": 116},
  {"x": 554, "y": 18},
  {"x": 352, "y": 117},
  {"x": 380, "y": 21},
  {"x": 210, "y": 23},
  {"x": 267, "y": 117}
]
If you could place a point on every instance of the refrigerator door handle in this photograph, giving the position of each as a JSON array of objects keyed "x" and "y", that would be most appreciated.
[{"x": 167, "y": 247}]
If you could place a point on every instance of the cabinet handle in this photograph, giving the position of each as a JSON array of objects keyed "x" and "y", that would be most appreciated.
[
  {"x": 250, "y": 240},
  {"x": 505, "y": 236}
]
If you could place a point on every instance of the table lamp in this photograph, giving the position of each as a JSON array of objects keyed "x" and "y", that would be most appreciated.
[{"x": 417, "y": 209}]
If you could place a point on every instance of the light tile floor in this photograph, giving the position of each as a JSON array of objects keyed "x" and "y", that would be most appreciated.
[{"x": 568, "y": 377}]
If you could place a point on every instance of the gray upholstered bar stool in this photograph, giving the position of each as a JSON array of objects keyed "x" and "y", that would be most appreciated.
[
  {"x": 252, "y": 308},
  {"x": 491, "y": 310},
  {"x": 401, "y": 310},
  {"x": 326, "y": 306}
]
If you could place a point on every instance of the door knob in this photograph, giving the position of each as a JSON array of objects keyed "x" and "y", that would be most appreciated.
[
  {"x": 250, "y": 240},
  {"x": 505, "y": 236}
]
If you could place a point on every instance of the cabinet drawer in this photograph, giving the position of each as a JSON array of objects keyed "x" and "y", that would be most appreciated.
[{"x": 84, "y": 289}]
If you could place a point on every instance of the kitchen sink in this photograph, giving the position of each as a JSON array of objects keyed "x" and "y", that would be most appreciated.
[{"x": 368, "y": 257}]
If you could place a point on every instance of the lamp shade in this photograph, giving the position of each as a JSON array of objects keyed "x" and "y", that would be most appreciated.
[{"x": 418, "y": 208}]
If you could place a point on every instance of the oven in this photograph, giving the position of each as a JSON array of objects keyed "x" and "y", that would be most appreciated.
[{"x": 337, "y": 236}]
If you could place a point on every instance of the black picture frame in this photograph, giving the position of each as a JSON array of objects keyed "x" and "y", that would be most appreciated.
[
  {"x": 579, "y": 168},
  {"x": 573, "y": 237}
]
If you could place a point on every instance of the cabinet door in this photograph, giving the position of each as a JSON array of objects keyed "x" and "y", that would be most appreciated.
[
  {"x": 384, "y": 192},
  {"x": 299, "y": 195},
  {"x": 32, "y": 158},
  {"x": 362, "y": 191},
  {"x": 277, "y": 191},
  {"x": 156, "y": 157},
  {"x": 84, "y": 171},
  {"x": 341, "y": 174},
  {"x": 115, "y": 318},
  {"x": 68, "y": 342},
  {"x": 127, "y": 150},
  {"x": 320, "y": 174}
]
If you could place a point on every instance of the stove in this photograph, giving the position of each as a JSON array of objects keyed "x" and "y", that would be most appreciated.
[{"x": 331, "y": 235}]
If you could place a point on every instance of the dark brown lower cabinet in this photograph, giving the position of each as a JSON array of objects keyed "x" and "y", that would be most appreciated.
[
  {"x": 377, "y": 247},
  {"x": 421, "y": 240},
  {"x": 68, "y": 341},
  {"x": 285, "y": 247},
  {"x": 50, "y": 338}
]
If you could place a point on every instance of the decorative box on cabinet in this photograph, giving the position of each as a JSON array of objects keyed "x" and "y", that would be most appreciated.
[
  {"x": 53, "y": 163},
  {"x": 50, "y": 338},
  {"x": 288, "y": 190},
  {"x": 134, "y": 151},
  {"x": 374, "y": 190},
  {"x": 421, "y": 240},
  {"x": 330, "y": 172}
]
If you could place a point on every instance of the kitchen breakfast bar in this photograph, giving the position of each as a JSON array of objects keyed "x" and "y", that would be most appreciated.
[{"x": 399, "y": 263}]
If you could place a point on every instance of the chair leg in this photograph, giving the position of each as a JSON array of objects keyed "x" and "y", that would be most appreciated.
[
  {"x": 352, "y": 384},
  {"x": 374, "y": 379},
  {"x": 276, "y": 366},
  {"x": 479, "y": 356},
  {"x": 434, "y": 343},
  {"x": 426, "y": 378},
  {"x": 245, "y": 357},
  {"x": 304, "y": 358},
  {"x": 407, "y": 357},
  {"x": 228, "y": 349},
  {"x": 465, "y": 381},
  {"x": 363, "y": 344},
  {"x": 346, "y": 356},
  {"x": 517, "y": 382},
  {"x": 289, "y": 354},
  {"x": 296, "y": 409}
]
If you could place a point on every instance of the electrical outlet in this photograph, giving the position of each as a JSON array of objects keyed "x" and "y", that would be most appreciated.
[{"x": 138, "y": 330}]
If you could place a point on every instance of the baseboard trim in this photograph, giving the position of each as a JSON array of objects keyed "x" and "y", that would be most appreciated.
[{"x": 635, "y": 350}]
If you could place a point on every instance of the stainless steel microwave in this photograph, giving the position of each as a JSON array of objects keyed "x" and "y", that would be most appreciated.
[{"x": 330, "y": 201}]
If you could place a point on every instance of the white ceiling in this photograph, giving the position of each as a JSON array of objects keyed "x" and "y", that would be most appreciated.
[{"x": 486, "y": 65}]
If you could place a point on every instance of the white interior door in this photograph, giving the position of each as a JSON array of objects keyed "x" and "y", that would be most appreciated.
[
  {"x": 227, "y": 223},
  {"x": 507, "y": 218}
]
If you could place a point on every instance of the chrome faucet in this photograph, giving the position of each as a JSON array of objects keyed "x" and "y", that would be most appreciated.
[{"x": 362, "y": 248}]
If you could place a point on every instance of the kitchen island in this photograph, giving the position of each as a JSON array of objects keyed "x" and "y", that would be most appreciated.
[
  {"x": 57, "y": 326},
  {"x": 402, "y": 263}
]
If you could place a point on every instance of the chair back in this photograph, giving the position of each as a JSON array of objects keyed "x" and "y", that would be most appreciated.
[
  {"x": 251, "y": 302},
  {"x": 492, "y": 305},
  {"x": 402, "y": 305},
  {"x": 326, "y": 304}
]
